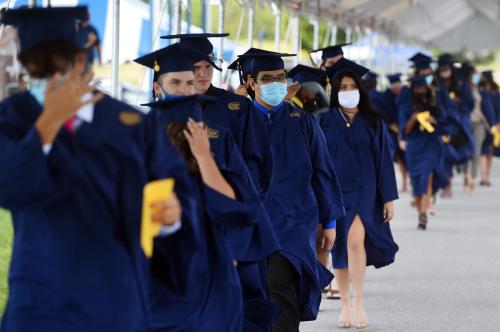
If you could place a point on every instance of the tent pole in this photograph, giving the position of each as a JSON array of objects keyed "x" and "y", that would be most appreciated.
[
  {"x": 115, "y": 55},
  {"x": 315, "y": 24},
  {"x": 277, "y": 26},
  {"x": 251, "y": 19},
  {"x": 220, "y": 40}
]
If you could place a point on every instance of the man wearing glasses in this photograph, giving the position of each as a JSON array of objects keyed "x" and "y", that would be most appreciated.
[
  {"x": 230, "y": 109},
  {"x": 288, "y": 159}
]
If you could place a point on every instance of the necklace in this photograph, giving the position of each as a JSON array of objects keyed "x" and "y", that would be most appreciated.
[{"x": 347, "y": 123}]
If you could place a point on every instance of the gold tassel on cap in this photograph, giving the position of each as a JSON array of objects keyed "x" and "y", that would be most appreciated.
[
  {"x": 156, "y": 66},
  {"x": 328, "y": 87}
]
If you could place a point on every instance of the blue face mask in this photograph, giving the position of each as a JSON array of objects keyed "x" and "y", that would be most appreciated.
[
  {"x": 38, "y": 87},
  {"x": 476, "y": 77},
  {"x": 429, "y": 79},
  {"x": 273, "y": 93},
  {"x": 168, "y": 96}
]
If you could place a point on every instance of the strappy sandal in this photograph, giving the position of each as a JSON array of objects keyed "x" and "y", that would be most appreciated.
[
  {"x": 345, "y": 323},
  {"x": 333, "y": 294},
  {"x": 422, "y": 221}
]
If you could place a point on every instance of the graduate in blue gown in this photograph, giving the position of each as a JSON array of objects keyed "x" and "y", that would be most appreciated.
[
  {"x": 390, "y": 115},
  {"x": 359, "y": 146},
  {"x": 230, "y": 109},
  {"x": 424, "y": 151},
  {"x": 491, "y": 88},
  {"x": 456, "y": 95},
  {"x": 286, "y": 154},
  {"x": 311, "y": 97},
  {"x": 74, "y": 189},
  {"x": 242, "y": 224}
]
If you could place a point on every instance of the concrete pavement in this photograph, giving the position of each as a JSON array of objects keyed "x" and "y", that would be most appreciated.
[{"x": 444, "y": 279}]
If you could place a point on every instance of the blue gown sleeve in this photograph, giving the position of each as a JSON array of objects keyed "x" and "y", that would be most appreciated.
[
  {"x": 467, "y": 100},
  {"x": 404, "y": 115},
  {"x": 324, "y": 178},
  {"x": 384, "y": 166},
  {"x": 488, "y": 108}
]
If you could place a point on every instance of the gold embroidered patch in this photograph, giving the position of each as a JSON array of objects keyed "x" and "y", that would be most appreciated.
[
  {"x": 295, "y": 114},
  {"x": 129, "y": 118},
  {"x": 234, "y": 106},
  {"x": 212, "y": 133}
]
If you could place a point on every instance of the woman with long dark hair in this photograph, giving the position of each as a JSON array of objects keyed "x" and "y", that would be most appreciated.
[{"x": 359, "y": 148}]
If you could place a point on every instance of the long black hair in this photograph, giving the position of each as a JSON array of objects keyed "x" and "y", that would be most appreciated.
[{"x": 364, "y": 105}]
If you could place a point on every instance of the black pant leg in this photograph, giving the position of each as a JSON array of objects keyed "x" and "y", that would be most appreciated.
[{"x": 283, "y": 285}]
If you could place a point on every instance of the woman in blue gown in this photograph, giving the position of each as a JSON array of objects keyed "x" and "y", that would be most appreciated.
[
  {"x": 359, "y": 147},
  {"x": 235, "y": 225},
  {"x": 424, "y": 151}
]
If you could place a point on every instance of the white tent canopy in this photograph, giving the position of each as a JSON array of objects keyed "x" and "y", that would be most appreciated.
[{"x": 451, "y": 25}]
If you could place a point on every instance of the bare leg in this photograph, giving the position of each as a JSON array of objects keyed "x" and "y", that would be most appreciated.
[
  {"x": 357, "y": 268},
  {"x": 483, "y": 165},
  {"x": 342, "y": 277}
]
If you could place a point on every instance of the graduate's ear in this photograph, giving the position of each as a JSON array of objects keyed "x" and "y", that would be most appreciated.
[
  {"x": 157, "y": 89},
  {"x": 251, "y": 83}
]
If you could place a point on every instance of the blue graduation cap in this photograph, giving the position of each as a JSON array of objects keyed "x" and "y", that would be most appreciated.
[
  {"x": 302, "y": 74},
  {"x": 445, "y": 59},
  {"x": 38, "y": 25},
  {"x": 180, "y": 109},
  {"x": 488, "y": 75},
  {"x": 346, "y": 66},
  {"x": 173, "y": 58},
  {"x": 370, "y": 76},
  {"x": 394, "y": 78},
  {"x": 199, "y": 44},
  {"x": 421, "y": 61},
  {"x": 264, "y": 61},
  {"x": 241, "y": 64},
  {"x": 331, "y": 51},
  {"x": 418, "y": 81}
]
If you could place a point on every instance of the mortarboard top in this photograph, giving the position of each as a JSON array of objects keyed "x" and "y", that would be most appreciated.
[
  {"x": 172, "y": 58},
  {"x": 346, "y": 66},
  {"x": 421, "y": 61},
  {"x": 370, "y": 76},
  {"x": 181, "y": 108},
  {"x": 264, "y": 61},
  {"x": 488, "y": 75},
  {"x": 199, "y": 44},
  {"x": 240, "y": 62},
  {"x": 445, "y": 59},
  {"x": 38, "y": 25},
  {"x": 394, "y": 78},
  {"x": 418, "y": 81},
  {"x": 302, "y": 74},
  {"x": 331, "y": 51}
]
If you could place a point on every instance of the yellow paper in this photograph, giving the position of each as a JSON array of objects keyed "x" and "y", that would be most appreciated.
[
  {"x": 496, "y": 136},
  {"x": 423, "y": 120},
  {"x": 154, "y": 191}
]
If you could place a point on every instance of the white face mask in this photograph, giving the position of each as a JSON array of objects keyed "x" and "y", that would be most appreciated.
[{"x": 349, "y": 99}]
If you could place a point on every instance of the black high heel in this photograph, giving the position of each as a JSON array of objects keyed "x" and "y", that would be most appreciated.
[{"x": 422, "y": 221}]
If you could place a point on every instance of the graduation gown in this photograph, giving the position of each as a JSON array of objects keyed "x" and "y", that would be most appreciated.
[
  {"x": 76, "y": 263},
  {"x": 424, "y": 152},
  {"x": 362, "y": 157},
  {"x": 488, "y": 108},
  {"x": 221, "y": 297},
  {"x": 288, "y": 159},
  {"x": 229, "y": 112}
]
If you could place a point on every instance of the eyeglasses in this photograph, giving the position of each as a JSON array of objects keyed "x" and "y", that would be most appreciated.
[{"x": 267, "y": 79}]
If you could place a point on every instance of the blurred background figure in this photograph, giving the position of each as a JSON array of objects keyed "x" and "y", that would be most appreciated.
[
  {"x": 90, "y": 41},
  {"x": 9, "y": 66}
]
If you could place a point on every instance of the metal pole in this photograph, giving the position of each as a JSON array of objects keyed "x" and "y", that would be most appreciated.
[
  {"x": 221, "y": 40},
  {"x": 177, "y": 16},
  {"x": 251, "y": 19},
  {"x": 189, "y": 16},
  {"x": 296, "y": 38},
  {"x": 277, "y": 26},
  {"x": 315, "y": 24},
  {"x": 208, "y": 16},
  {"x": 115, "y": 55},
  {"x": 333, "y": 36}
]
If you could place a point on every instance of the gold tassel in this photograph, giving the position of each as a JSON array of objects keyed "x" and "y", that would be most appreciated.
[{"x": 328, "y": 87}]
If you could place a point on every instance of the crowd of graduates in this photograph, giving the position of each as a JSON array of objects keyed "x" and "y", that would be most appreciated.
[{"x": 271, "y": 182}]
